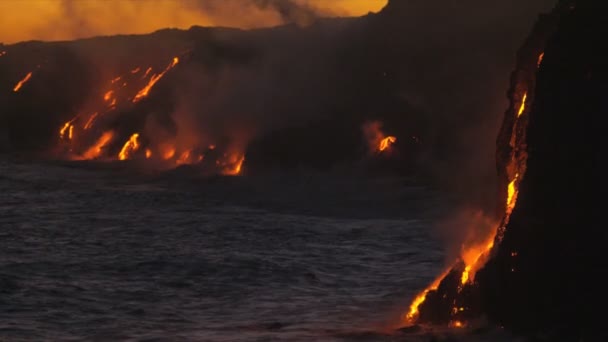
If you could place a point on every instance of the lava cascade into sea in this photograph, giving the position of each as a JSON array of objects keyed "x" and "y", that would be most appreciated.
[{"x": 456, "y": 298}]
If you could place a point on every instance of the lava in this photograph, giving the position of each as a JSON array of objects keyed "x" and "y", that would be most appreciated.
[
  {"x": 96, "y": 150},
  {"x": 412, "y": 314},
  {"x": 22, "y": 82},
  {"x": 108, "y": 95},
  {"x": 512, "y": 195},
  {"x": 522, "y": 108},
  {"x": 67, "y": 129},
  {"x": 169, "y": 152},
  {"x": 89, "y": 123},
  {"x": 147, "y": 73},
  {"x": 136, "y": 70},
  {"x": 155, "y": 78},
  {"x": 131, "y": 146},
  {"x": 148, "y": 154},
  {"x": 377, "y": 141},
  {"x": 386, "y": 143},
  {"x": 474, "y": 258},
  {"x": 233, "y": 165},
  {"x": 184, "y": 158},
  {"x": 540, "y": 59}
]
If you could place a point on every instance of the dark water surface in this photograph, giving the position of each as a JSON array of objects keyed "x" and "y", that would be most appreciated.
[{"x": 91, "y": 252}]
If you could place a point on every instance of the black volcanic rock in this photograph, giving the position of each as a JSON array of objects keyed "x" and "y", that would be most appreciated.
[
  {"x": 545, "y": 273},
  {"x": 543, "y": 277}
]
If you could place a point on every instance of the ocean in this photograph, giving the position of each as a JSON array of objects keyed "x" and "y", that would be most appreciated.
[{"x": 111, "y": 252}]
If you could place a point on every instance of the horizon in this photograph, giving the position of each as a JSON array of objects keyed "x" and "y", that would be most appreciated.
[{"x": 49, "y": 20}]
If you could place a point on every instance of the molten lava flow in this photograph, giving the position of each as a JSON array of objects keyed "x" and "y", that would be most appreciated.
[
  {"x": 155, "y": 78},
  {"x": 412, "y": 314},
  {"x": 63, "y": 129},
  {"x": 475, "y": 257},
  {"x": 108, "y": 95},
  {"x": 147, "y": 73},
  {"x": 168, "y": 152},
  {"x": 131, "y": 146},
  {"x": 457, "y": 324},
  {"x": 96, "y": 150},
  {"x": 540, "y": 59},
  {"x": 522, "y": 108},
  {"x": 184, "y": 158},
  {"x": 512, "y": 195},
  {"x": 89, "y": 123},
  {"x": 114, "y": 80},
  {"x": 377, "y": 141},
  {"x": 386, "y": 143},
  {"x": 234, "y": 164},
  {"x": 67, "y": 129},
  {"x": 22, "y": 82},
  {"x": 136, "y": 70},
  {"x": 148, "y": 153}
]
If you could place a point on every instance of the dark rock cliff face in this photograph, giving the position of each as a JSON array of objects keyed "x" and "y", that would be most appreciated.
[{"x": 543, "y": 274}]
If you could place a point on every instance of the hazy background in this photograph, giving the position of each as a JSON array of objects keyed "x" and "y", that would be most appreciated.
[{"x": 69, "y": 19}]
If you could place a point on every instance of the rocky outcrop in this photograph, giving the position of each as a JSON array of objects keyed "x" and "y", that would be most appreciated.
[{"x": 542, "y": 275}]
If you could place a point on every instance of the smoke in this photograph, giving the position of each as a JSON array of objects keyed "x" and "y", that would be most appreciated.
[
  {"x": 434, "y": 73},
  {"x": 71, "y": 19}
]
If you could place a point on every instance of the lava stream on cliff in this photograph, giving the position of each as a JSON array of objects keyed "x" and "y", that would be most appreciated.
[{"x": 473, "y": 257}]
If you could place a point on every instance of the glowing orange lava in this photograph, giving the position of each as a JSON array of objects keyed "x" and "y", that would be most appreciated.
[
  {"x": 457, "y": 324},
  {"x": 386, "y": 143},
  {"x": 96, "y": 150},
  {"x": 131, "y": 146},
  {"x": 169, "y": 152},
  {"x": 234, "y": 165},
  {"x": 511, "y": 195},
  {"x": 147, "y": 73},
  {"x": 108, "y": 95},
  {"x": 67, "y": 130},
  {"x": 412, "y": 314},
  {"x": 155, "y": 78},
  {"x": 136, "y": 70},
  {"x": 89, "y": 123},
  {"x": 475, "y": 257},
  {"x": 184, "y": 158},
  {"x": 540, "y": 59},
  {"x": 22, "y": 82},
  {"x": 148, "y": 153},
  {"x": 522, "y": 108}
]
